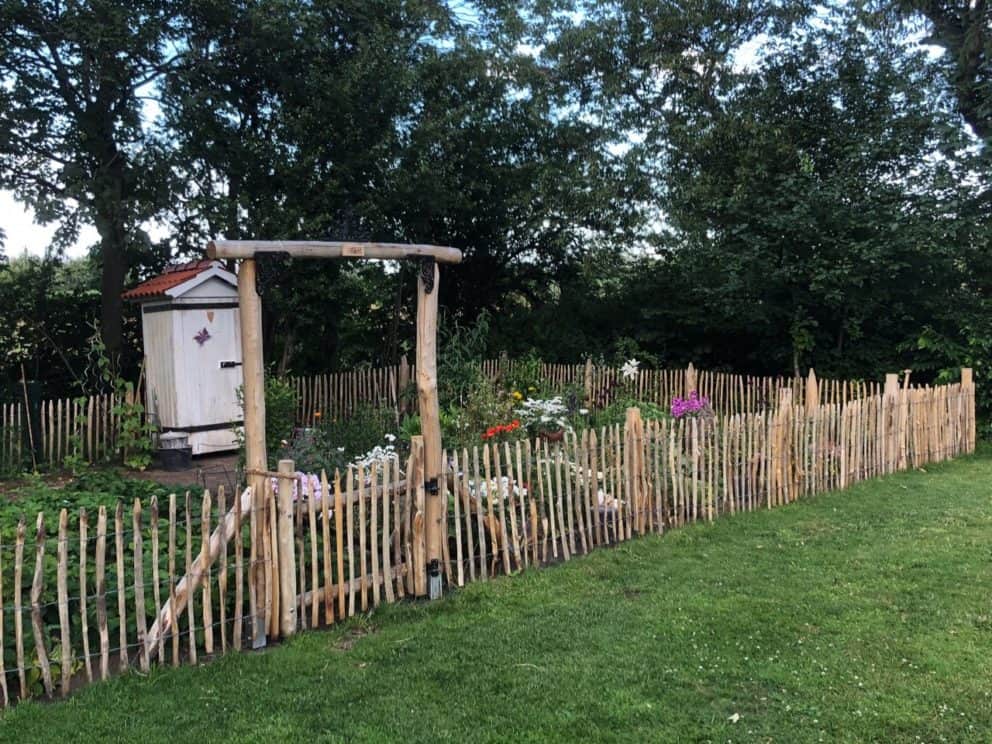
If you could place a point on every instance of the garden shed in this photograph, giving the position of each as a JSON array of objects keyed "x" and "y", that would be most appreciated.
[{"x": 192, "y": 343}]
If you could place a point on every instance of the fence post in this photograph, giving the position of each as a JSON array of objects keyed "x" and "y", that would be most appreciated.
[
  {"x": 587, "y": 381},
  {"x": 287, "y": 550},
  {"x": 968, "y": 389},
  {"x": 256, "y": 460},
  {"x": 403, "y": 383},
  {"x": 634, "y": 462},
  {"x": 690, "y": 379},
  {"x": 812, "y": 392},
  {"x": 890, "y": 396}
]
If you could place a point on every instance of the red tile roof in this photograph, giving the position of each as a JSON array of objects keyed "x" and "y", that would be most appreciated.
[{"x": 173, "y": 276}]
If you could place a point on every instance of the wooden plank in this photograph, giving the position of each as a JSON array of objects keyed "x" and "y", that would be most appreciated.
[
  {"x": 598, "y": 537},
  {"x": 374, "y": 532},
  {"x": 350, "y": 517},
  {"x": 221, "y": 572},
  {"x": 339, "y": 542},
  {"x": 362, "y": 539},
  {"x": 156, "y": 577},
  {"x": 466, "y": 499},
  {"x": 514, "y": 484},
  {"x": 459, "y": 567},
  {"x": 121, "y": 584},
  {"x": 480, "y": 519},
  {"x": 398, "y": 525},
  {"x": 173, "y": 622},
  {"x": 63, "y": 600},
  {"x": 191, "y": 581},
  {"x": 249, "y": 249},
  {"x": 37, "y": 587},
  {"x": 83, "y": 614},
  {"x": 524, "y": 489},
  {"x": 501, "y": 502},
  {"x": 101, "y": 591},
  {"x": 325, "y": 527},
  {"x": 239, "y": 597},
  {"x": 300, "y": 562},
  {"x": 288, "y": 619},
  {"x": 18, "y": 609},
  {"x": 386, "y": 534},
  {"x": 314, "y": 561},
  {"x": 139, "y": 586}
]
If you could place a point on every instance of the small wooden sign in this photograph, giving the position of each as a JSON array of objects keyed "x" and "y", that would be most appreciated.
[{"x": 353, "y": 251}]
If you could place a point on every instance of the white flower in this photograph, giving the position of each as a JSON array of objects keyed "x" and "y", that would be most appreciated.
[
  {"x": 629, "y": 369},
  {"x": 340, "y": 449},
  {"x": 584, "y": 411},
  {"x": 390, "y": 437}
]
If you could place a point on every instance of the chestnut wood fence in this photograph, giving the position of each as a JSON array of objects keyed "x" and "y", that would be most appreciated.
[
  {"x": 89, "y": 428},
  {"x": 336, "y": 394},
  {"x": 84, "y": 595},
  {"x": 86, "y": 427}
]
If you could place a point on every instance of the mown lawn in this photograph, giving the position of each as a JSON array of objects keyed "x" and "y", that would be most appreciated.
[{"x": 857, "y": 616}]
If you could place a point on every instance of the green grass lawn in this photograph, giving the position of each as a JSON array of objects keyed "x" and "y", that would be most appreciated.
[{"x": 857, "y": 616}]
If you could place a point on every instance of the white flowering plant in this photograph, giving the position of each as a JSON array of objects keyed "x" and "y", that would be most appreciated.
[{"x": 544, "y": 415}]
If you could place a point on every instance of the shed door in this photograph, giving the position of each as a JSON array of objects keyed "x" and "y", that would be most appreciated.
[{"x": 208, "y": 342}]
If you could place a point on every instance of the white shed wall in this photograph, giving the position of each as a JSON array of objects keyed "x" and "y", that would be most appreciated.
[{"x": 160, "y": 371}]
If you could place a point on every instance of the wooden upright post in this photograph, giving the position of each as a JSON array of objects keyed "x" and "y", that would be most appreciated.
[
  {"x": 287, "y": 551},
  {"x": 968, "y": 390},
  {"x": 250, "y": 316},
  {"x": 404, "y": 380},
  {"x": 634, "y": 461},
  {"x": 430, "y": 419},
  {"x": 812, "y": 393},
  {"x": 690, "y": 379},
  {"x": 587, "y": 381}
]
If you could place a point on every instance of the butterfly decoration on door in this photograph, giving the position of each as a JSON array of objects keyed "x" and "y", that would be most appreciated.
[{"x": 202, "y": 337}]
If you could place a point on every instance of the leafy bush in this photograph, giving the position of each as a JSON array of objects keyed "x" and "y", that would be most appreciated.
[
  {"x": 459, "y": 370},
  {"x": 335, "y": 443}
]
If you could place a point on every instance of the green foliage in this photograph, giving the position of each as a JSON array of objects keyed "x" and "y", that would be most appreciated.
[
  {"x": 134, "y": 437},
  {"x": 280, "y": 416},
  {"x": 616, "y": 412},
  {"x": 334, "y": 443},
  {"x": 458, "y": 369}
]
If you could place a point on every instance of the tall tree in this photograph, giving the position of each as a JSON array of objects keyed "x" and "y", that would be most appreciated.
[
  {"x": 963, "y": 28},
  {"x": 72, "y": 140}
]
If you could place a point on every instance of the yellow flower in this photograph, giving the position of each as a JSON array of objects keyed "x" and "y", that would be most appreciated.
[
  {"x": 517, "y": 395},
  {"x": 531, "y": 389}
]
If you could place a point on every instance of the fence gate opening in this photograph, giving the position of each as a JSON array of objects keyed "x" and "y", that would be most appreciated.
[{"x": 256, "y": 458}]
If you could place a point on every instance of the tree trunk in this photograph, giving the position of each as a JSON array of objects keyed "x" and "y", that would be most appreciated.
[{"x": 113, "y": 260}]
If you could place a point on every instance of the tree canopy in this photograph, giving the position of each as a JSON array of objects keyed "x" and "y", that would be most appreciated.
[{"x": 760, "y": 186}]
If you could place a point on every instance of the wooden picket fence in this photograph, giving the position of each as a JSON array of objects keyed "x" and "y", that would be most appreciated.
[
  {"x": 333, "y": 395},
  {"x": 88, "y": 428},
  {"x": 84, "y": 427},
  {"x": 175, "y": 583}
]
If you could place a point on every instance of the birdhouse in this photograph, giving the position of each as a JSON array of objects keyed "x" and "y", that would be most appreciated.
[{"x": 192, "y": 341}]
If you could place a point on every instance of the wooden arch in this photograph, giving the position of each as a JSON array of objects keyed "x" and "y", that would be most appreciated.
[{"x": 250, "y": 310}]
